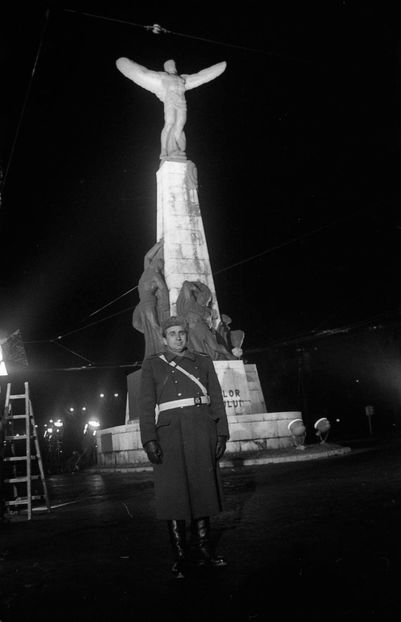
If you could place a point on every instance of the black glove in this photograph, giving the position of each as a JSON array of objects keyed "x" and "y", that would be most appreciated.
[
  {"x": 154, "y": 451},
  {"x": 220, "y": 446}
]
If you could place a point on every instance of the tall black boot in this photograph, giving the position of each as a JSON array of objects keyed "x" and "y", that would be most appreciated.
[
  {"x": 201, "y": 533},
  {"x": 177, "y": 532}
]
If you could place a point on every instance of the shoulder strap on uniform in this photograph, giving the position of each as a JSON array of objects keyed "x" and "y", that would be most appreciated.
[{"x": 184, "y": 371}]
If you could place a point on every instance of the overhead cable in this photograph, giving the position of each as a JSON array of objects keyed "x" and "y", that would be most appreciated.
[{"x": 157, "y": 29}]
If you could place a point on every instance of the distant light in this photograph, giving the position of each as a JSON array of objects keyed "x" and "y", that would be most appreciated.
[
  {"x": 58, "y": 423},
  {"x": 83, "y": 408},
  {"x": 101, "y": 395},
  {"x": 71, "y": 409},
  {"x": 91, "y": 427},
  {"x": 115, "y": 394},
  {"x": 357, "y": 380},
  {"x": 338, "y": 420}
]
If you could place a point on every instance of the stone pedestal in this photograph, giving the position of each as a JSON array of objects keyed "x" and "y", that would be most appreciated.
[
  {"x": 240, "y": 386},
  {"x": 179, "y": 223},
  {"x": 234, "y": 386},
  {"x": 120, "y": 448}
]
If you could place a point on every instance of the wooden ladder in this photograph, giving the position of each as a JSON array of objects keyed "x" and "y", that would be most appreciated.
[{"x": 24, "y": 474}]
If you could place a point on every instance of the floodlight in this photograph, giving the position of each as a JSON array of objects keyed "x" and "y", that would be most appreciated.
[
  {"x": 12, "y": 353},
  {"x": 3, "y": 369},
  {"x": 297, "y": 430},
  {"x": 322, "y": 427},
  {"x": 91, "y": 427}
]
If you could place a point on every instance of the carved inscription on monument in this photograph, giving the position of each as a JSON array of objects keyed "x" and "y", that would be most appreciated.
[{"x": 232, "y": 398}]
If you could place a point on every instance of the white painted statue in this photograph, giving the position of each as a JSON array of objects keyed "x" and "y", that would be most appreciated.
[{"x": 170, "y": 87}]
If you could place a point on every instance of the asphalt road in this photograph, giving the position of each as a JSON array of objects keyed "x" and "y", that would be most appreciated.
[{"x": 319, "y": 539}]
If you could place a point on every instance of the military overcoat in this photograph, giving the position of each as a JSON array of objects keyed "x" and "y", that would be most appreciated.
[{"x": 187, "y": 483}]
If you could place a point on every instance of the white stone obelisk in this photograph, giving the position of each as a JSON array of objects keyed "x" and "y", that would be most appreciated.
[{"x": 179, "y": 223}]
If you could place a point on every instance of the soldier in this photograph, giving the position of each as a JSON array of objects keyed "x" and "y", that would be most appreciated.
[{"x": 184, "y": 441}]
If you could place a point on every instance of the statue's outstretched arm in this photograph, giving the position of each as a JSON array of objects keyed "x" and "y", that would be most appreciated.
[
  {"x": 146, "y": 78},
  {"x": 205, "y": 75}
]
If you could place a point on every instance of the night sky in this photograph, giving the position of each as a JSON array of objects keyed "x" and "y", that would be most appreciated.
[{"x": 297, "y": 147}]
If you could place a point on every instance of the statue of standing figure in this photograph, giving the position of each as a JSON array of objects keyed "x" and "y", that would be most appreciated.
[
  {"x": 170, "y": 88},
  {"x": 194, "y": 304},
  {"x": 153, "y": 307}
]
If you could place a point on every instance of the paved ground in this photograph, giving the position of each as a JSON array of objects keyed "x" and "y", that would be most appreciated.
[{"x": 317, "y": 538}]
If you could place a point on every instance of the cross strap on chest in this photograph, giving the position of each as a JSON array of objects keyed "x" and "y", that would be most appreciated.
[
  {"x": 185, "y": 372},
  {"x": 189, "y": 401}
]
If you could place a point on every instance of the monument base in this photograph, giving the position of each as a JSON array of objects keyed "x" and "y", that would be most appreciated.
[
  {"x": 120, "y": 447},
  {"x": 240, "y": 386}
]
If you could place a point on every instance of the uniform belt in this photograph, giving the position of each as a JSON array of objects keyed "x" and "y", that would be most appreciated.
[{"x": 188, "y": 401}]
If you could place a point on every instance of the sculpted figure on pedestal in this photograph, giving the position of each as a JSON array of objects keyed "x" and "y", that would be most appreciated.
[
  {"x": 153, "y": 306},
  {"x": 170, "y": 88},
  {"x": 194, "y": 304}
]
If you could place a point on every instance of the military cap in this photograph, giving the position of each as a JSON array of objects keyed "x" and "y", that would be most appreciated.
[{"x": 174, "y": 320}]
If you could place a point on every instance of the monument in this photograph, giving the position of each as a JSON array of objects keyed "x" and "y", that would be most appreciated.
[{"x": 178, "y": 279}]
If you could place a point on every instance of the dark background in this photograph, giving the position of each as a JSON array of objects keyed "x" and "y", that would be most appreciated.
[{"x": 297, "y": 147}]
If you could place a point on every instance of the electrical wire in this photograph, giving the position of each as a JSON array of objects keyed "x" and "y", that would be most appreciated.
[
  {"x": 112, "y": 301},
  {"x": 27, "y": 93},
  {"x": 313, "y": 335},
  {"x": 157, "y": 30},
  {"x": 85, "y": 367},
  {"x": 234, "y": 265},
  {"x": 60, "y": 345},
  {"x": 281, "y": 245},
  {"x": 77, "y": 330}
]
